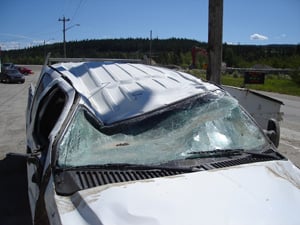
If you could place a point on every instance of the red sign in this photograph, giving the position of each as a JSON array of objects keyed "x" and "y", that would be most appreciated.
[{"x": 254, "y": 77}]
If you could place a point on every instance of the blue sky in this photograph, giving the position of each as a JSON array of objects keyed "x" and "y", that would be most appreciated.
[{"x": 26, "y": 23}]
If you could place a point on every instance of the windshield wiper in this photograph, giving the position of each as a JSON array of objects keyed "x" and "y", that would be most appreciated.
[
  {"x": 267, "y": 155},
  {"x": 270, "y": 154},
  {"x": 214, "y": 153}
]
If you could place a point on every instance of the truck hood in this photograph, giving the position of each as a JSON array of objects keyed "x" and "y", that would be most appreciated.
[{"x": 258, "y": 193}]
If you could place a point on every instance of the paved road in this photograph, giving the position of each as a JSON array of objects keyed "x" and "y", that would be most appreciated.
[
  {"x": 14, "y": 208},
  {"x": 13, "y": 102}
]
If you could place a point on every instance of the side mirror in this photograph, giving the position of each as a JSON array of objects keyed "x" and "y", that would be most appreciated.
[{"x": 273, "y": 131}]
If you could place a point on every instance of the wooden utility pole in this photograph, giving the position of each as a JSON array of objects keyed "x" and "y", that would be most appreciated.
[
  {"x": 64, "y": 20},
  {"x": 150, "y": 54},
  {"x": 215, "y": 33}
]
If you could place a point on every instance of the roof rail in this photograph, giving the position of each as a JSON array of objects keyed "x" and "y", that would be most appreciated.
[{"x": 52, "y": 60}]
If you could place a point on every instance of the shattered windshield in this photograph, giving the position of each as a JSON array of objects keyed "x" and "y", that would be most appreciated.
[{"x": 203, "y": 123}]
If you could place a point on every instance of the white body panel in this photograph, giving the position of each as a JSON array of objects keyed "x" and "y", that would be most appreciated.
[{"x": 259, "y": 193}]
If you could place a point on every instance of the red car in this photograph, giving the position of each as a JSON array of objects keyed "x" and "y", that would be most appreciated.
[{"x": 25, "y": 70}]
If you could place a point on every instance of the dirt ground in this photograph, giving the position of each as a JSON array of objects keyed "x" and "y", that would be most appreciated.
[{"x": 14, "y": 208}]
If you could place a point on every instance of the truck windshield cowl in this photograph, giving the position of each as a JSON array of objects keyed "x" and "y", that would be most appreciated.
[{"x": 203, "y": 123}]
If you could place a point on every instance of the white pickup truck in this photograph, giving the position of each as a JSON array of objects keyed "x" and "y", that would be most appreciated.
[{"x": 119, "y": 142}]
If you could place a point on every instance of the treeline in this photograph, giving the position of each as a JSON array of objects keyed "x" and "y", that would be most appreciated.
[
  {"x": 173, "y": 51},
  {"x": 276, "y": 56}
]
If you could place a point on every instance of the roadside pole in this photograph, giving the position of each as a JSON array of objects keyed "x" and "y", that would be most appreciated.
[
  {"x": 0, "y": 61},
  {"x": 64, "y": 20},
  {"x": 215, "y": 33}
]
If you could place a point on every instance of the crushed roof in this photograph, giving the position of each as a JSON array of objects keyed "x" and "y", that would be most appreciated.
[{"x": 118, "y": 91}]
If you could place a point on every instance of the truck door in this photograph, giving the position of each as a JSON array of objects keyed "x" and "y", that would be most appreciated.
[{"x": 51, "y": 110}]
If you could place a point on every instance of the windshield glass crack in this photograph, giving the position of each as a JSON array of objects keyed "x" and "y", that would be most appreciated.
[{"x": 207, "y": 122}]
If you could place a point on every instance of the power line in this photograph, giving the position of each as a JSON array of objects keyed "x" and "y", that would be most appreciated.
[{"x": 76, "y": 11}]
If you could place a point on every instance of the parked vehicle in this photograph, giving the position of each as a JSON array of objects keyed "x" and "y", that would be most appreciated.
[
  {"x": 11, "y": 76},
  {"x": 24, "y": 70},
  {"x": 116, "y": 142},
  {"x": 6, "y": 66}
]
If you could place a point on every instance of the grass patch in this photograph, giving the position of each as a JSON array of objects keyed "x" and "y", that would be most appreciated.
[{"x": 273, "y": 83}]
